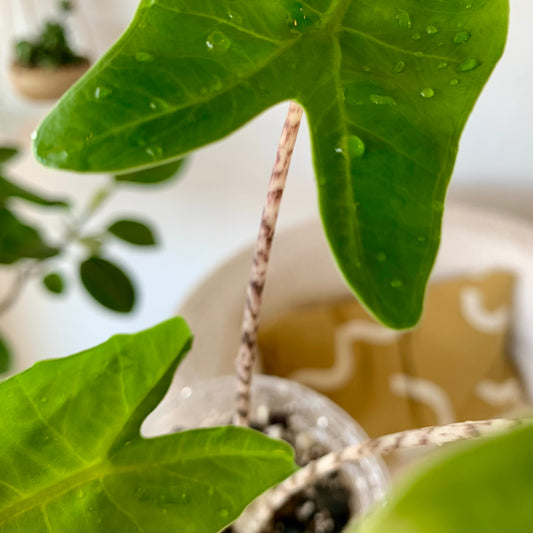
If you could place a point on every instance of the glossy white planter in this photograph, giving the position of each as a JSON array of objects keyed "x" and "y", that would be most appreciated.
[
  {"x": 302, "y": 271},
  {"x": 212, "y": 403}
]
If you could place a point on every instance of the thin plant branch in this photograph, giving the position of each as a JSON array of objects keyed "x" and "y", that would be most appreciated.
[
  {"x": 14, "y": 291},
  {"x": 247, "y": 348},
  {"x": 73, "y": 233},
  {"x": 261, "y": 511}
]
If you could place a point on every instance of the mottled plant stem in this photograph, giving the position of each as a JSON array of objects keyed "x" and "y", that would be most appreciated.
[
  {"x": 247, "y": 348},
  {"x": 264, "y": 508}
]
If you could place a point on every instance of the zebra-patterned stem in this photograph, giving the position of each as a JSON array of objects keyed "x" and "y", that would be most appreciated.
[
  {"x": 247, "y": 348},
  {"x": 262, "y": 510}
]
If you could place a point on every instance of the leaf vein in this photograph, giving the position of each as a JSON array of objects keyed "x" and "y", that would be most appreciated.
[
  {"x": 385, "y": 44},
  {"x": 220, "y": 21}
]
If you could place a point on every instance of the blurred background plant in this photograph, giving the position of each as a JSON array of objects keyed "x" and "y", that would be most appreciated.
[
  {"x": 50, "y": 48},
  {"x": 29, "y": 253}
]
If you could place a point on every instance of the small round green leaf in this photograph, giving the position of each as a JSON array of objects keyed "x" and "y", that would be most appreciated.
[
  {"x": 108, "y": 284},
  {"x": 152, "y": 175},
  {"x": 54, "y": 283},
  {"x": 133, "y": 232},
  {"x": 5, "y": 356}
]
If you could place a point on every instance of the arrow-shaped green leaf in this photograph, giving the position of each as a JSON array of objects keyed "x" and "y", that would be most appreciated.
[
  {"x": 72, "y": 458},
  {"x": 387, "y": 87}
]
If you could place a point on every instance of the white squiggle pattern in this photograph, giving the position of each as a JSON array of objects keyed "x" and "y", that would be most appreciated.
[
  {"x": 426, "y": 392},
  {"x": 343, "y": 369},
  {"x": 500, "y": 394},
  {"x": 478, "y": 317}
]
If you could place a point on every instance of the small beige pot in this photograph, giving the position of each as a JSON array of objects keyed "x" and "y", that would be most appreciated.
[{"x": 39, "y": 83}]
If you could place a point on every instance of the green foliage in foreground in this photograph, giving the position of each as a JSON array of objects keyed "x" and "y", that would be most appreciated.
[
  {"x": 72, "y": 458},
  {"x": 387, "y": 88},
  {"x": 480, "y": 487}
]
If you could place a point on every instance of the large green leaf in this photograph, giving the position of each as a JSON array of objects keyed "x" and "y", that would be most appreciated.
[
  {"x": 19, "y": 241},
  {"x": 387, "y": 87},
  {"x": 482, "y": 487},
  {"x": 72, "y": 459},
  {"x": 8, "y": 189}
]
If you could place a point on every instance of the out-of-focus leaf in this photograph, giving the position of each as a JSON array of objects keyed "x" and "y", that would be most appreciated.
[
  {"x": 54, "y": 282},
  {"x": 9, "y": 190},
  {"x": 133, "y": 232},
  {"x": 18, "y": 240},
  {"x": 156, "y": 174},
  {"x": 387, "y": 88},
  {"x": 5, "y": 355},
  {"x": 72, "y": 459},
  {"x": 107, "y": 284},
  {"x": 481, "y": 487},
  {"x": 7, "y": 153}
]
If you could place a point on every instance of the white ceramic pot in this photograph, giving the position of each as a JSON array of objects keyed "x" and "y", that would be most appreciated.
[
  {"x": 302, "y": 272},
  {"x": 314, "y": 417}
]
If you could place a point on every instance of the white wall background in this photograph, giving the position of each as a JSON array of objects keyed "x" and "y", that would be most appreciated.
[{"x": 199, "y": 223}]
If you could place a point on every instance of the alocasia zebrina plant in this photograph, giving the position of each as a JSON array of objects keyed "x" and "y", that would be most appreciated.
[
  {"x": 387, "y": 87},
  {"x": 72, "y": 458}
]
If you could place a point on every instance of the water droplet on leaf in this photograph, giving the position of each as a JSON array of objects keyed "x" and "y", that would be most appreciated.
[
  {"x": 382, "y": 100},
  {"x": 403, "y": 18},
  {"x": 416, "y": 36},
  {"x": 399, "y": 67},
  {"x": 419, "y": 55},
  {"x": 57, "y": 158},
  {"x": 299, "y": 17},
  {"x": 469, "y": 64},
  {"x": 455, "y": 81},
  {"x": 144, "y": 57},
  {"x": 442, "y": 65},
  {"x": 155, "y": 152},
  {"x": 217, "y": 42},
  {"x": 356, "y": 146},
  {"x": 432, "y": 30},
  {"x": 101, "y": 92},
  {"x": 462, "y": 37},
  {"x": 158, "y": 104},
  {"x": 366, "y": 68},
  {"x": 234, "y": 16},
  {"x": 428, "y": 92}
]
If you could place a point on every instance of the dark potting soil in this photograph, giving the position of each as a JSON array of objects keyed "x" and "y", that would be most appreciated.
[{"x": 323, "y": 507}]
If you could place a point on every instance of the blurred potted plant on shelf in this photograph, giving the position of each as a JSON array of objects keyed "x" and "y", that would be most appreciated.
[
  {"x": 387, "y": 90},
  {"x": 45, "y": 67},
  {"x": 26, "y": 254}
]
